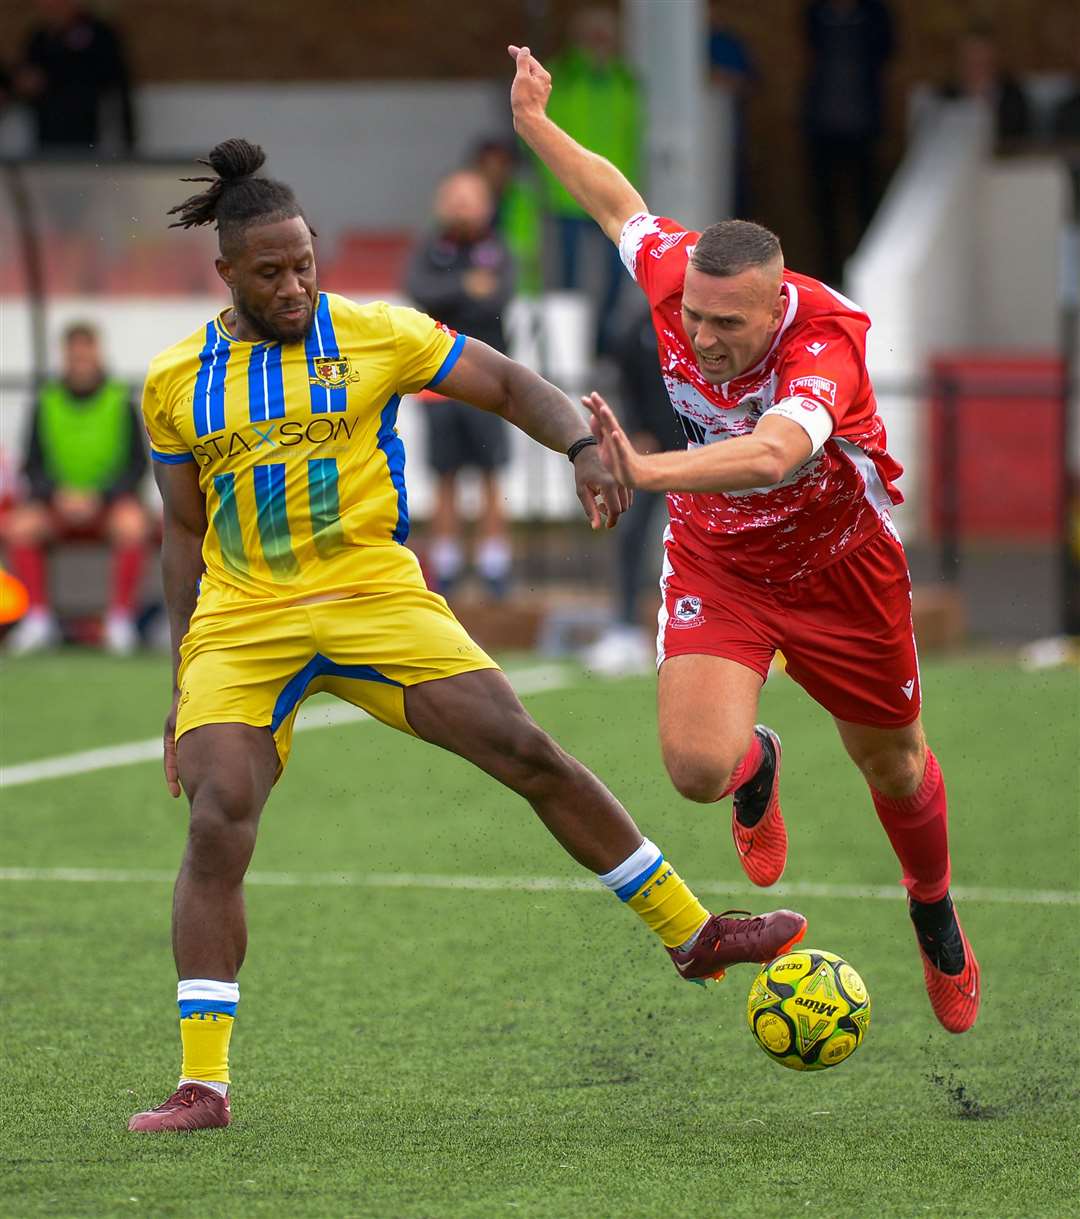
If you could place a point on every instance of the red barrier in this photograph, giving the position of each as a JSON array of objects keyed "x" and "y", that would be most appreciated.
[{"x": 998, "y": 468}]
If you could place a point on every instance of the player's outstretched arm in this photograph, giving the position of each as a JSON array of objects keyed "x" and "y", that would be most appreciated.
[
  {"x": 184, "y": 526},
  {"x": 486, "y": 379},
  {"x": 763, "y": 458},
  {"x": 593, "y": 181}
]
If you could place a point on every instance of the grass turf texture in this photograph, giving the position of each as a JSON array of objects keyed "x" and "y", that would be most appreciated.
[{"x": 420, "y": 1052}]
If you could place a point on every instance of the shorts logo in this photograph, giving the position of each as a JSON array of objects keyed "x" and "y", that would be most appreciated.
[
  {"x": 908, "y": 688},
  {"x": 332, "y": 372},
  {"x": 687, "y": 613},
  {"x": 816, "y": 387}
]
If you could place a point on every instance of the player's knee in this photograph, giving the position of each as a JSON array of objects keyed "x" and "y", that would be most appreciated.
[
  {"x": 895, "y": 771},
  {"x": 221, "y": 831},
  {"x": 696, "y": 776}
]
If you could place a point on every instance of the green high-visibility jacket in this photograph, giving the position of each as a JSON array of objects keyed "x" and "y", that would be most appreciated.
[
  {"x": 600, "y": 107},
  {"x": 84, "y": 442}
]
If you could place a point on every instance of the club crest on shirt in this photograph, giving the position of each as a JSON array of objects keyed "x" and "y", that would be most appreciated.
[
  {"x": 331, "y": 372},
  {"x": 687, "y": 613}
]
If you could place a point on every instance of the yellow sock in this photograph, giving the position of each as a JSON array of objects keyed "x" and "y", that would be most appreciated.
[
  {"x": 205, "y": 1038},
  {"x": 657, "y": 893},
  {"x": 207, "y": 1012}
]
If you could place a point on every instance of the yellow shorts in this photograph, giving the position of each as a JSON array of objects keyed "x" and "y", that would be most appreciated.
[{"x": 256, "y": 663}]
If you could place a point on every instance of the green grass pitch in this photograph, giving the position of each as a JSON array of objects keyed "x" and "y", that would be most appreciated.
[{"x": 417, "y": 1051}]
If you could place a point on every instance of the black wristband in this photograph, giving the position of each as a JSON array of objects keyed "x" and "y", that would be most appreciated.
[{"x": 578, "y": 445}]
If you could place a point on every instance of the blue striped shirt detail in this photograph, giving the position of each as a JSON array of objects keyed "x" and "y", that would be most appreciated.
[
  {"x": 266, "y": 387},
  {"x": 322, "y": 341},
  {"x": 273, "y": 520},
  {"x": 208, "y": 400},
  {"x": 226, "y": 523},
  {"x": 171, "y": 459},
  {"x": 394, "y": 448},
  {"x": 325, "y": 507}
]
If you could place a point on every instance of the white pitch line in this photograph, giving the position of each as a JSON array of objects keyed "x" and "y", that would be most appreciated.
[
  {"x": 531, "y": 884},
  {"x": 534, "y": 680}
]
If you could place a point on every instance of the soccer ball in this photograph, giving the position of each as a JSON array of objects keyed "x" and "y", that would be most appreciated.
[{"x": 808, "y": 1010}]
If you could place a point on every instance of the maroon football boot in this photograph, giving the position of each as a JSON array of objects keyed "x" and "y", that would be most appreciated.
[
  {"x": 738, "y": 938},
  {"x": 191, "y": 1107}
]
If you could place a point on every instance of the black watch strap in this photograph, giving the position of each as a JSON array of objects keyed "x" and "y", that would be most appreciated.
[{"x": 578, "y": 445}]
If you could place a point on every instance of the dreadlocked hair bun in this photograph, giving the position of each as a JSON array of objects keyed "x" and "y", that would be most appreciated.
[{"x": 233, "y": 161}]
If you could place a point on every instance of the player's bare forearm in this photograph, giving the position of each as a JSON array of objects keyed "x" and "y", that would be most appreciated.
[
  {"x": 181, "y": 568},
  {"x": 181, "y": 546},
  {"x": 775, "y": 448},
  {"x": 732, "y": 465},
  {"x": 601, "y": 189},
  {"x": 485, "y": 378},
  {"x": 490, "y": 381}
]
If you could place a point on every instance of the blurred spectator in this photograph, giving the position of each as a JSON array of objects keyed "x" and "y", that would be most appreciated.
[
  {"x": 596, "y": 100},
  {"x": 71, "y": 66},
  {"x": 850, "y": 42},
  {"x": 1067, "y": 118},
  {"x": 979, "y": 74},
  {"x": 517, "y": 207},
  {"x": 463, "y": 274},
  {"x": 83, "y": 464},
  {"x": 732, "y": 69},
  {"x": 650, "y": 422}
]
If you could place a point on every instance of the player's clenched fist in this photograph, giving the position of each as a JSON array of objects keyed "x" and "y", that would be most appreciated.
[{"x": 531, "y": 88}]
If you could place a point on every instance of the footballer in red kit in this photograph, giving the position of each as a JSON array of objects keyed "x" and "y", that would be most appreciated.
[{"x": 780, "y": 539}]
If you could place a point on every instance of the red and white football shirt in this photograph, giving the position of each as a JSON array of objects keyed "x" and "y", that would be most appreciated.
[{"x": 814, "y": 373}]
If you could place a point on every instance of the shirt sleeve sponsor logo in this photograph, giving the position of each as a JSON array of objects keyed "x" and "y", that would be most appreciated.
[
  {"x": 816, "y": 387},
  {"x": 668, "y": 242}
]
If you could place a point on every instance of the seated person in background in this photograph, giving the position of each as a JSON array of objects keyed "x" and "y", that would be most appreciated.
[
  {"x": 463, "y": 274},
  {"x": 83, "y": 464},
  {"x": 626, "y": 647}
]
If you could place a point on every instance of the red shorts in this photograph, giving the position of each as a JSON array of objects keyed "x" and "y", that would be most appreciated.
[{"x": 845, "y": 631}]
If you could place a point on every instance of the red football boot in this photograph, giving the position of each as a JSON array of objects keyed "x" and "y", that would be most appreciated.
[
  {"x": 191, "y": 1107},
  {"x": 726, "y": 940},
  {"x": 949, "y": 966},
  {"x": 762, "y": 845}
]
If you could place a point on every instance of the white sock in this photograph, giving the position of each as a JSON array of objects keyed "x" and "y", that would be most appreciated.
[
  {"x": 630, "y": 875},
  {"x": 220, "y": 1088}
]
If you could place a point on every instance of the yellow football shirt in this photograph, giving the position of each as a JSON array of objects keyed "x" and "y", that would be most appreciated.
[{"x": 296, "y": 445}]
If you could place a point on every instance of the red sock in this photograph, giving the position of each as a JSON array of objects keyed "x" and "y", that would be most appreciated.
[
  {"x": 917, "y": 827},
  {"x": 127, "y": 571},
  {"x": 747, "y": 768},
  {"x": 28, "y": 566}
]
